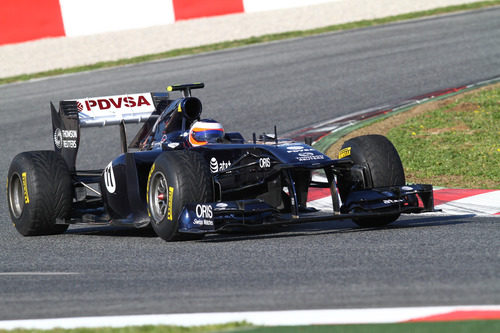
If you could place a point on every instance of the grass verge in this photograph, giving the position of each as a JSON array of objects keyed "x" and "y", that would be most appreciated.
[
  {"x": 229, "y": 327},
  {"x": 478, "y": 326},
  {"x": 252, "y": 40},
  {"x": 453, "y": 142},
  {"x": 441, "y": 327},
  {"x": 455, "y": 145}
]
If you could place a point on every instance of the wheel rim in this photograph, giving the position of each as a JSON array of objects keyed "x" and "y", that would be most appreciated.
[
  {"x": 158, "y": 197},
  {"x": 16, "y": 196}
]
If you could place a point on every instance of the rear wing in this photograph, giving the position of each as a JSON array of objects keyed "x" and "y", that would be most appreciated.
[
  {"x": 99, "y": 112},
  {"x": 112, "y": 110}
]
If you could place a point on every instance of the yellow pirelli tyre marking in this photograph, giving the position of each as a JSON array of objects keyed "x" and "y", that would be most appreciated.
[
  {"x": 25, "y": 189},
  {"x": 345, "y": 152},
  {"x": 170, "y": 202}
]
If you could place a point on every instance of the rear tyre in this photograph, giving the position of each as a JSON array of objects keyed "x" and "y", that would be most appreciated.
[
  {"x": 176, "y": 179},
  {"x": 384, "y": 165},
  {"x": 39, "y": 191}
]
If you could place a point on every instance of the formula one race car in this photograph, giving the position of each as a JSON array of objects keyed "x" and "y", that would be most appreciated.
[{"x": 186, "y": 177}]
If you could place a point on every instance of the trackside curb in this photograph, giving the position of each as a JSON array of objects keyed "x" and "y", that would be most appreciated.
[{"x": 450, "y": 201}]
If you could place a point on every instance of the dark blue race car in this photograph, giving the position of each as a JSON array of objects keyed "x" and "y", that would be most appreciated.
[{"x": 185, "y": 177}]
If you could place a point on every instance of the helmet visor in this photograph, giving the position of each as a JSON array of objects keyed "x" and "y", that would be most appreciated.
[{"x": 207, "y": 135}]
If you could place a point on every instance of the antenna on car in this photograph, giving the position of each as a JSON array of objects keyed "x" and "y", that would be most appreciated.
[
  {"x": 275, "y": 135},
  {"x": 254, "y": 136}
]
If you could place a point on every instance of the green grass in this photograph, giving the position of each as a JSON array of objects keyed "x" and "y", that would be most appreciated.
[
  {"x": 455, "y": 145},
  {"x": 438, "y": 327},
  {"x": 252, "y": 40},
  {"x": 229, "y": 327}
]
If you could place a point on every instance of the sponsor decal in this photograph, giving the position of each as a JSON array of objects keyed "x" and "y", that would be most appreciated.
[
  {"x": 216, "y": 166},
  {"x": 295, "y": 148},
  {"x": 97, "y": 110},
  {"x": 69, "y": 144},
  {"x": 392, "y": 201},
  {"x": 221, "y": 205},
  {"x": 58, "y": 138},
  {"x": 305, "y": 154},
  {"x": 170, "y": 216},
  {"x": 65, "y": 138},
  {"x": 204, "y": 215},
  {"x": 310, "y": 158},
  {"x": 114, "y": 103},
  {"x": 224, "y": 165},
  {"x": 203, "y": 222},
  {"x": 109, "y": 178},
  {"x": 25, "y": 188},
  {"x": 69, "y": 134},
  {"x": 204, "y": 211},
  {"x": 264, "y": 162},
  {"x": 345, "y": 152}
]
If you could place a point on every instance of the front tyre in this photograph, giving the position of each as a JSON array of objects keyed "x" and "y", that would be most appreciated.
[
  {"x": 39, "y": 191},
  {"x": 384, "y": 165},
  {"x": 176, "y": 178}
]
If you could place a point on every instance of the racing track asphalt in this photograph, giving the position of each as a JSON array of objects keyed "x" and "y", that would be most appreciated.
[{"x": 421, "y": 260}]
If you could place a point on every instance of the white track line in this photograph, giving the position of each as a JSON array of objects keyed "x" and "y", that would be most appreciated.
[
  {"x": 36, "y": 273},
  {"x": 259, "y": 318}
]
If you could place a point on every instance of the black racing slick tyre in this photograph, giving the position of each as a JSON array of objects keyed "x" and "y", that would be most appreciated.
[
  {"x": 176, "y": 178},
  {"x": 39, "y": 191},
  {"x": 384, "y": 165}
]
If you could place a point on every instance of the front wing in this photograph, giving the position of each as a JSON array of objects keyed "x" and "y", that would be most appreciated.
[{"x": 370, "y": 203}]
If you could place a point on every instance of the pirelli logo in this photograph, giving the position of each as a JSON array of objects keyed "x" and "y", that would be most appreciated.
[
  {"x": 345, "y": 152},
  {"x": 170, "y": 216},
  {"x": 25, "y": 188}
]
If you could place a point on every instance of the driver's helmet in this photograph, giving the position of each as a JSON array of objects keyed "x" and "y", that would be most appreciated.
[{"x": 205, "y": 131}]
